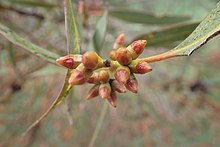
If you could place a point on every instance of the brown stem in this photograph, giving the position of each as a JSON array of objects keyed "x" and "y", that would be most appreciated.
[{"x": 160, "y": 57}]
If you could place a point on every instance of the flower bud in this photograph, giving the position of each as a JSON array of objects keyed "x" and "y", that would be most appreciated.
[
  {"x": 104, "y": 90},
  {"x": 123, "y": 56},
  {"x": 139, "y": 67},
  {"x": 136, "y": 48},
  {"x": 112, "y": 55},
  {"x": 103, "y": 76},
  {"x": 79, "y": 75},
  {"x": 93, "y": 92},
  {"x": 113, "y": 99},
  {"x": 119, "y": 42},
  {"x": 91, "y": 60},
  {"x": 122, "y": 74},
  {"x": 77, "y": 78},
  {"x": 132, "y": 84},
  {"x": 70, "y": 61},
  {"x": 94, "y": 78},
  {"x": 118, "y": 87}
]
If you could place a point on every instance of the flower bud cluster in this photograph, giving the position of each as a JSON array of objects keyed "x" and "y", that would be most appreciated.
[{"x": 108, "y": 76}]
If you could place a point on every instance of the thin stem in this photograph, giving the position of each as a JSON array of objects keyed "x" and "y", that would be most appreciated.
[
  {"x": 99, "y": 124},
  {"x": 161, "y": 57}
]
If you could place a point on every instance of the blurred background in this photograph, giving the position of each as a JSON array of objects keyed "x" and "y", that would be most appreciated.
[{"x": 178, "y": 104}]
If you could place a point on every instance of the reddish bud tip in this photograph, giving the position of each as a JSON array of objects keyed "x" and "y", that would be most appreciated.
[
  {"x": 123, "y": 56},
  {"x": 68, "y": 61},
  {"x": 119, "y": 42},
  {"x": 132, "y": 85},
  {"x": 103, "y": 76},
  {"x": 93, "y": 92},
  {"x": 143, "y": 67},
  {"x": 77, "y": 78},
  {"x": 90, "y": 60},
  {"x": 122, "y": 75},
  {"x": 138, "y": 46},
  {"x": 118, "y": 87},
  {"x": 113, "y": 99},
  {"x": 104, "y": 90}
]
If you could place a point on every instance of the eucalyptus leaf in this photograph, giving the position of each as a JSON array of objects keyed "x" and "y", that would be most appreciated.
[
  {"x": 145, "y": 18},
  {"x": 100, "y": 32},
  {"x": 33, "y": 3},
  {"x": 168, "y": 36},
  {"x": 73, "y": 46},
  {"x": 27, "y": 45},
  {"x": 207, "y": 29}
]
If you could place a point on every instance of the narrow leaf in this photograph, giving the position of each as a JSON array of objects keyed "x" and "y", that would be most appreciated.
[
  {"x": 100, "y": 32},
  {"x": 72, "y": 33},
  {"x": 27, "y": 45},
  {"x": 168, "y": 36},
  {"x": 33, "y": 3},
  {"x": 145, "y": 18},
  {"x": 73, "y": 46},
  {"x": 207, "y": 29}
]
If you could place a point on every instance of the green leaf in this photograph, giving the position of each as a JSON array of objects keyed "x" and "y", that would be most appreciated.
[
  {"x": 168, "y": 36},
  {"x": 207, "y": 29},
  {"x": 145, "y": 18},
  {"x": 100, "y": 32},
  {"x": 73, "y": 46},
  {"x": 72, "y": 32},
  {"x": 27, "y": 45},
  {"x": 32, "y": 3}
]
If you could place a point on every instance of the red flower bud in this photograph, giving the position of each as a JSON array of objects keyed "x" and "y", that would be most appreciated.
[
  {"x": 79, "y": 75},
  {"x": 93, "y": 92},
  {"x": 113, "y": 99},
  {"x": 136, "y": 48},
  {"x": 140, "y": 67},
  {"x": 118, "y": 87},
  {"x": 132, "y": 84},
  {"x": 119, "y": 42},
  {"x": 70, "y": 61},
  {"x": 103, "y": 76},
  {"x": 91, "y": 60},
  {"x": 123, "y": 56},
  {"x": 94, "y": 78},
  {"x": 104, "y": 90},
  {"x": 122, "y": 74},
  {"x": 77, "y": 78}
]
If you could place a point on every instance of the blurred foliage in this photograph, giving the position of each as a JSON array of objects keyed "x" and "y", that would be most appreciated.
[{"x": 178, "y": 103}]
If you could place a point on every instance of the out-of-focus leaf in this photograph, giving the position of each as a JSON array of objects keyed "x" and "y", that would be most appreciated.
[
  {"x": 32, "y": 3},
  {"x": 72, "y": 33},
  {"x": 145, "y": 18},
  {"x": 100, "y": 32},
  {"x": 167, "y": 36},
  {"x": 206, "y": 30},
  {"x": 73, "y": 46},
  {"x": 27, "y": 45}
]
